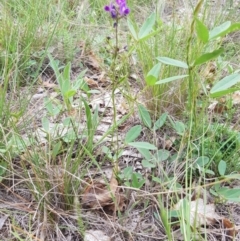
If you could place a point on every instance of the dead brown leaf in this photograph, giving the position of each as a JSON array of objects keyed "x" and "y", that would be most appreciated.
[
  {"x": 202, "y": 214},
  {"x": 48, "y": 84},
  {"x": 123, "y": 107},
  {"x": 217, "y": 107},
  {"x": 230, "y": 227},
  {"x": 209, "y": 72},
  {"x": 94, "y": 61},
  {"x": 91, "y": 83},
  {"x": 99, "y": 194},
  {"x": 169, "y": 142}
]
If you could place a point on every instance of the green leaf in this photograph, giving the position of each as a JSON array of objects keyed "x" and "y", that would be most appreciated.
[
  {"x": 207, "y": 171},
  {"x": 202, "y": 31},
  {"x": 153, "y": 33},
  {"x": 202, "y": 161},
  {"x": 66, "y": 85},
  {"x": 225, "y": 83},
  {"x": 70, "y": 93},
  {"x": 84, "y": 86},
  {"x": 147, "y": 26},
  {"x": 94, "y": 92},
  {"x": 54, "y": 65},
  {"x": 88, "y": 115},
  {"x": 107, "y": 151},
  {"x": 145, "y": 116},
  {"x": 233, "y": 27},
  {"x": 136, "y": 181},
  {"x": 148, "y": 164},
  {"x": 145, "y": 153},
  {"x": 233, "y": 176},
  {"x": 90, "y": 127},
  {"x": 132, "y": 28},
  {"x": 222, "y": 166},
  {"x": 208, "y": 56},
  {"x": 170, "y": 79},
  {"x": 220, "y": 30},
  {"x": 45, "y": 124},
  {"x": 230, "y": 194},
  {"x": 127, "y": 172},
  {"x": 67, "y": 121},
  {"x": 52, "y": 108},
  {"x": 160, "y": 122},
  {"x": 3, "y": 168},
  {"x": 79, "y": 82},
  {"x": 162, "y": 155},
  {"x": 173, "y": 62},
  {"x": 178, "y": 126},
  {"x": 56, "y": 149},
  {"x": 157, "y": 179},
  {"x": 133, "y": 133},
  {"x": 153, "y": 74},
  {"x": 223, "y": 92},
  {"x": 143, "y": 145}
]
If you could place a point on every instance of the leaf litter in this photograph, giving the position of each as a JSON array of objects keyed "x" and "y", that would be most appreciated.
[{"x": 107, "y": 194}]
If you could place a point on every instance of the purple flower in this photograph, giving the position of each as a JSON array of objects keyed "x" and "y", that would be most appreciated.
[
  {"x": 121, "y": 9},
  {"x": 124, "y": 10},
  {"x": 112, "y": 9}
]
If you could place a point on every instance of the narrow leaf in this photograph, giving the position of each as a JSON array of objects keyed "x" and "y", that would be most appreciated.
[
  {"x": 147, "y": 26},
  {"x": 170, "y": 79},
  {"x": 56, "y": 149},
  {"x": 222, "y": 166},
  {"x": 153, "y": 74},
  {"x": 220, "y": 30},
  {"x": 143, "y": 145},
  {"x": 145, "y": 116},
  {"x": 3, "y": 168},
  {"x": 54, "y": 65},
  {"x": 160, "y": 122},
  {"x": 133, "y": 133},
  {"x": 223, "y": 92},
  {"x": 234, "y": 27},
  {"x": 90, "y": 129},
  {"x": 45, "y": 124},
  {"x": 197, "y": 8},
  {"x": 66, "y": 78},
  {"x": 202, "y": 31},
  {"x": 173, "y": 62},
  {"x": 132, "y": 29},
  {"x": 208, "y": 56},
  {"x": 225, "y": 83}
]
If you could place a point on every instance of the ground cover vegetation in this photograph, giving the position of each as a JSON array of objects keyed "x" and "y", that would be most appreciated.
[{"x": 119, "y": 120}]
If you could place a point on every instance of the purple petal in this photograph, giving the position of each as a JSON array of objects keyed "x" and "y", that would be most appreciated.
[
  {"x": 124, "y": 10},
  {"x": 107, "y": 8},
  {"x": 120, "y": 2},
  {"x": 113, "y": 14}
]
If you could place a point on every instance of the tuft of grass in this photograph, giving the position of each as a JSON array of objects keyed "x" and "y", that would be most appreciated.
[{"x": 177, "y": 145}]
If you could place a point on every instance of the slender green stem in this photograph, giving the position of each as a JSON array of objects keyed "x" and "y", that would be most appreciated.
[{"x": 114, "y": 87}]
